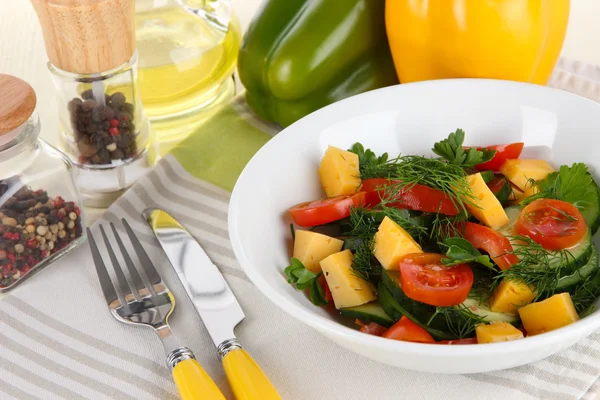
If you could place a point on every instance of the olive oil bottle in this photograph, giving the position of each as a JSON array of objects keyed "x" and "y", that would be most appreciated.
[{"x": 187, "y": 54}]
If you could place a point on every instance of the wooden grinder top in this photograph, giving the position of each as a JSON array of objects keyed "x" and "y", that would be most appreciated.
[
  {"x": 87, "y": 36},
  {"x": 17, "y": 102}
]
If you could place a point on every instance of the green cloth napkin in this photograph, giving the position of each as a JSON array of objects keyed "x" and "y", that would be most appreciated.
[{"x": 220, "y": 149}]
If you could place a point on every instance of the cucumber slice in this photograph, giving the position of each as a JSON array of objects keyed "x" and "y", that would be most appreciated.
[
  {"x": 566, "y": 282},
  {"x": 487, "y": 176},
  {"x": 590, "y": 208},
  {"x": 478, "y": 308},
  {"x": 370, "y": 312},
  {"x": 387, "y": 302}
]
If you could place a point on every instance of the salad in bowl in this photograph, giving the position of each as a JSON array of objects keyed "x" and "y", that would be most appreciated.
[
  {"x": 447, "y": 239},
  {"x": 473, "y": 245}
]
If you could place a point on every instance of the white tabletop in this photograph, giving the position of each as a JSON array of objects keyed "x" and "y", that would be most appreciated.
[{"x": 22, "y": 50}]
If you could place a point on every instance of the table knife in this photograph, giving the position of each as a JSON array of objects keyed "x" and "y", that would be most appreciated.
[{"x": 215, "y": 302}]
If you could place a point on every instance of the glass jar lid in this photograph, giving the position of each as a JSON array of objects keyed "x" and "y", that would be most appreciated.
[{"x": 17, "y": 102}]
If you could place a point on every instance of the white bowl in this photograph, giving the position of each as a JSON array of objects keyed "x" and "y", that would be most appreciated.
[{"x": 555, "y": 125}]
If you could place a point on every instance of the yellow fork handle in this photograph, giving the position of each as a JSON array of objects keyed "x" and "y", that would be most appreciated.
[
  {"x": 194, "y": 383},
  {"x": 245, "y": 377}
]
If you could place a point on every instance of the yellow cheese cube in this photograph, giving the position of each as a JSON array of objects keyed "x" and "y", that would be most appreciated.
[
  {"x": 510, "y": 295},
  {"x": 520, "y": 171},
  {"x": 497, "y": 331},
  {"x": 339, "y": 172},
  {"x": 312, "y": 247},
  {"x": 347, "y": 289},
  {"x": 547, "y": 315},
  {"x": 392, "y": 242},
  {"x": 485, "y": 205}
]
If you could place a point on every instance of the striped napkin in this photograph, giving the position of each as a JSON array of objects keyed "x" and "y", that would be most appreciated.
[{"x": 58, "y": 340}]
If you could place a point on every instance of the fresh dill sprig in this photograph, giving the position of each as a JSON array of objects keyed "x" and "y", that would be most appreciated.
[
  {"x": 453, "y": 151},
  {"x": 460, "y": 320},
  {"x": 538, "y": 267},
  {"x": 364, "y": 265},
  {"x": 365, "y": 222},
  {"x": 585, "y": 295},
  {"x": 450, "y": 179},
  {"x": 444, "y": 227}
]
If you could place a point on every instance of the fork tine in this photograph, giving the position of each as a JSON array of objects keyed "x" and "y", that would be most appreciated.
[
  {"x": 145, "y": 261},
  {"x": 123, "y": 289},
  {"x": 105, "y": 282},
  {"x": 133, "y": 272}
]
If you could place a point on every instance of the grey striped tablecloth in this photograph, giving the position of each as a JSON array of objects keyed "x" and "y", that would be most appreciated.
[{"x": 58, "y": 340}]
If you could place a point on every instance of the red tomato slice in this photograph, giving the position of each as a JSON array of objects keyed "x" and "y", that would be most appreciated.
[
  {"x": 416, "y": 197},
  {"x": 372, "y": 328},
  {"x": 472, "y": 340},
  {"x": 408, "y": 331},
  {"x": 492, "y": 242},
  {"x": 319, "y": 212},
  {"x": 323, "y": 282},
  {"x": 554, "y": 224},
  {"x": 424, "y": 278},
  {"x": 496, "y": 184},
  {"x": 503, "y": 152}
]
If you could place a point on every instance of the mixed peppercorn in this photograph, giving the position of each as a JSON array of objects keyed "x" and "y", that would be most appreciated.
[
  {"x": 103, "y": 132},
  {"x": 33, "y": 227}
]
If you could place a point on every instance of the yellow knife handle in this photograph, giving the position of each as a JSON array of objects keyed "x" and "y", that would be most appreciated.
[
  {"x": 245, "y": 377},
  {"x": 194, "y": 383}
]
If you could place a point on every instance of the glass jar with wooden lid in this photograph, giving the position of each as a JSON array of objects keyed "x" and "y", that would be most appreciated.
[
  {"x": 102, "y": 125},
  {"x": 40, "y": 214}
]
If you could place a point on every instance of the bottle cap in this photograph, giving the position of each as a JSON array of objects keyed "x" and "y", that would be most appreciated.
[
  {"x": 87, "y": 36},
  {"x": 17, "y": 102}
]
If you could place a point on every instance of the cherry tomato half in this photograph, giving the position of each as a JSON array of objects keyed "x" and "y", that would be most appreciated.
[
  {"x": 426, "y": 279},
  {"x": 554, "y": 224},
  {"x": 503, "y": 152},
  {"x": 408, "y": 331},
  {"x": 319, "y": 212},
  {"x": 416, "y": 197},
  {"x": 492, "y": 242}
]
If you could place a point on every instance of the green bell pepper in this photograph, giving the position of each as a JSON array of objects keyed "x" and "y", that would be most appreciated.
[{"x": 300, "y": 55}]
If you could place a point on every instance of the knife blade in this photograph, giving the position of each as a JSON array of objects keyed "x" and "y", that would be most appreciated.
[{"x": 202, "y": 280}]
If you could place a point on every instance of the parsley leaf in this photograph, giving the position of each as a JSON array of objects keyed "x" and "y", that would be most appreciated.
[
  {"x": 303, "y": 278},
  {"x": 371, "y": 166},
  {"x": 452, "y": 150},
  {"x": 570, "y": 184},
  {"x": 461, "y": 251}
]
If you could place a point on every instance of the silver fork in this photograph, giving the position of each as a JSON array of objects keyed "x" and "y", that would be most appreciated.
[{"x": 145, "y": 300}]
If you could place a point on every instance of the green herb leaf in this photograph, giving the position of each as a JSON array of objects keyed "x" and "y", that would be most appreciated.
[
  {"x": 461, "y": 251},
  {"x": 570, "y": 184},
  {"x": 452, "y": 150},
  {"x": 303, "y": 279},
  {"x": 538, "y": 267},
  {"x": 372, "y": 166}
]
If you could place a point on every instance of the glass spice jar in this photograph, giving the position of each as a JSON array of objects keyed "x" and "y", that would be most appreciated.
[
  {"x": 40, "y": 214},
  {"x": 103, "y": 130},
  {"x": 93, "y": 62}
]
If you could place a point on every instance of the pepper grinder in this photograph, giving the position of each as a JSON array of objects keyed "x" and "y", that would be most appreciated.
[{"x": 93, "y": 62}]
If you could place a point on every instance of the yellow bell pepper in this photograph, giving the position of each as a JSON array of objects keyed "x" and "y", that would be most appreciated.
[{"x": 517, "y": 40}]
